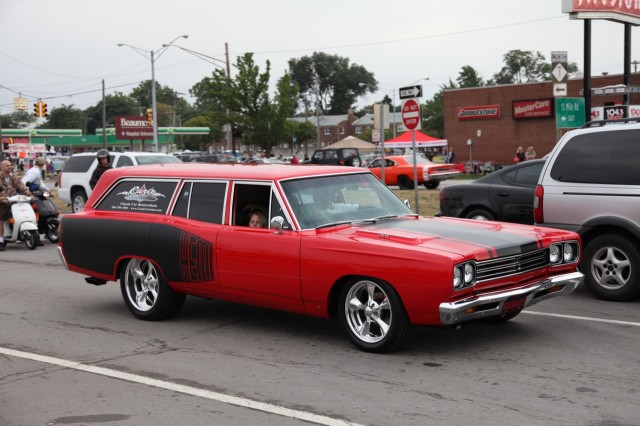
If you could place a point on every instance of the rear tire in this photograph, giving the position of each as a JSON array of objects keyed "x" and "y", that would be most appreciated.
[
  {"x": 404, "y": 182},
  {"x": 611, "y": 266},
  {"x": 480, "y": 214},
  {"x": 78, "y": 200},
  {"x": 146, "y": 293}
]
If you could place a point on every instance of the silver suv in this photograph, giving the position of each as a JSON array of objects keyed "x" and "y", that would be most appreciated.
[
  {"x": 73, "y": 182},
  {"x": 591, "y": 184}
]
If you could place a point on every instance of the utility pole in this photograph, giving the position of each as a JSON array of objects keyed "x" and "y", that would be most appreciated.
[
  {"x": 104, "y": 118},
  {"x": 229, "y": 130}
]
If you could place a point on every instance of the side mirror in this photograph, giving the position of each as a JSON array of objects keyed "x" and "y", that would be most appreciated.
[
  {"x": 277, "y": 222},
  {"x": 407, "y": 203}
]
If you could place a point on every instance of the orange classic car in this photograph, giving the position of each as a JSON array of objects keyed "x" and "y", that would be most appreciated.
[
  {"x": 336, "y": 243},
  {"x": 399, "y": 170}
]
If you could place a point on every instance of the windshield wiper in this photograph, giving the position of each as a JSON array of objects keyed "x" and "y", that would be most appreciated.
[
  {"x": 378, "y": 218},
  {"x": 341, "y": 222}
]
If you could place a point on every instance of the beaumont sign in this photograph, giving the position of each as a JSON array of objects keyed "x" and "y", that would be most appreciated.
[{"x": 133, "y": 127}]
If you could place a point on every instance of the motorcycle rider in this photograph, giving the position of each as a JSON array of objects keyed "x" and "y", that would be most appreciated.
[
  {"x": 104, "y": 164},
  {"x": 11, "y": 186},
  {"x": 34, "y": 175},
  {"x": 33, "y": 180}
]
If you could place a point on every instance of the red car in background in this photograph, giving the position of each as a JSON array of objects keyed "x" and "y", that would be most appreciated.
[{"x": 399, "y": 170}]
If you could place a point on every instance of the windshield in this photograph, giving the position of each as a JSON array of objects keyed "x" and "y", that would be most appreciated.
[
  {"x": 330, "y": 199},
  {"x": 155, "y": 159}
]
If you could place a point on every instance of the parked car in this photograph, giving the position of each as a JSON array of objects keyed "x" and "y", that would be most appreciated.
[
  {"x": 590, "y": 185},
  {"x": 73, "y": 182},
  {"x": 265, "y": 160},
  {"x": 398, "y": 170},
  {"x": 339, "y": 243},
  {"x": 214, "y": 158},
  {"x": 504, "y": 195},
  {"x": 337, "y": 157}
]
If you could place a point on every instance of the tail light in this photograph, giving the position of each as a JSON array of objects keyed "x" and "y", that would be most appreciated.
[{"x": 538, "y": 214}]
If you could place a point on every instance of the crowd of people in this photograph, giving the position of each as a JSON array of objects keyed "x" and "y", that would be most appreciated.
[{"x": 522, "y": 155}]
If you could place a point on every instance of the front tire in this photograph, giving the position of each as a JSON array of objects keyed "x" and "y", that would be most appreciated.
[
  {"x": 432, "y": 184},
  {"x": 611, "y": 266},
  {"x": 52, "y": 231},
  {"x": 372, "y": 315},
  {"x": 146, "y": 293},
  {"x": 31, "y": 239}
]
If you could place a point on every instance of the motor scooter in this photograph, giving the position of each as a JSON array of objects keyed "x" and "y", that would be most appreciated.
[
  {"x": 23, "y": 225},
  {"x": 46, "y": 214}
]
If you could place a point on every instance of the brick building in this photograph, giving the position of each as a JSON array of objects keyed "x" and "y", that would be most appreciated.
[{"x": 487, "y": 117}]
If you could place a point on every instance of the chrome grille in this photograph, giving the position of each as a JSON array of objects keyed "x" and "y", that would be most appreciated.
[{"x": 510, "y": 265}]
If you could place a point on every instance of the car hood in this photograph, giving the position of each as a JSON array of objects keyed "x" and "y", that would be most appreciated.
[{"x": 463, "y": 237}]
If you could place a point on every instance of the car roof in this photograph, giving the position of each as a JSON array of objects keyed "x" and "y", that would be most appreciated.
[
  {"x": 82, "y": 154},
  {"x": 230, "y": 171}
]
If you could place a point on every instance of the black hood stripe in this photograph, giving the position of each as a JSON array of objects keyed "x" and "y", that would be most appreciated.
[{"x": 497, "y": 240}]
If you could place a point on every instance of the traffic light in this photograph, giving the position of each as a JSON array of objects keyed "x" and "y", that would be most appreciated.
[
  {"x": 43, "y": 109},
  {"x": 150, "y": 116},
  {"x": 36, "y": 109}
]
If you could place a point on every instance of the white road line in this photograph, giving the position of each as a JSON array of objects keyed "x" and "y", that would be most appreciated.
[
  {"x": 188, "y": 390},
  {"x": 637, "y": 324}
]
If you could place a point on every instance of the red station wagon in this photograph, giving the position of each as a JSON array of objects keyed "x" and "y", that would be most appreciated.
[{"x": 337, "y": 243}]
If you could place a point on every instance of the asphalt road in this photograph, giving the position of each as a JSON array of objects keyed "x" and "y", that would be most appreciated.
[{"x": 71, "y": 354}]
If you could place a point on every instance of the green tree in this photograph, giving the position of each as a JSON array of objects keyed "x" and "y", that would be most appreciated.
[
  {"x": 433, "y": 112},
  {"x": 330, "y": 82},
  {"x": 469, "y": 77},
  {"x": 65, "y": 117},
  {"x": 521, "y": 66},
  {"x": 304, "y": 133},
  {"x": 17, "y": 120},
  {"x": 169, "y": 104},
  {"x": 244, "y": 102},
  {"x": 116, "y": 104}
]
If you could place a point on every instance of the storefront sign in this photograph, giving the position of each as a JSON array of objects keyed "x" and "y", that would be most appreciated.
[
  {"x": 615, "y": 10},
  {"x": 480, "y": 112},
  {"x": 615, "y": 112},
  {"x": 533, "y": 108},
  {"x": 133, "y": 127}
]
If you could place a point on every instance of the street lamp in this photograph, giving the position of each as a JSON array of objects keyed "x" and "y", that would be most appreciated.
[{"x": 153, "y": 59}]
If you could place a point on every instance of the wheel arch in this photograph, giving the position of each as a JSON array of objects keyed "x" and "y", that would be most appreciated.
[
  {"x": 609, "y": 225},
  {"x": 338, "y": 286}
]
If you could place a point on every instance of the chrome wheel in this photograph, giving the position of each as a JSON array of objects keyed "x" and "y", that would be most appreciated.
[
  {"x": 141, "y": 284},
  {"x": 146, "y": 293},
  {"x": 372, "y": 315}
]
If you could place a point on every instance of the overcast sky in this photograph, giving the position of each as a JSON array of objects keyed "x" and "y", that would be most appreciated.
[{"x": 59, "y": 49}]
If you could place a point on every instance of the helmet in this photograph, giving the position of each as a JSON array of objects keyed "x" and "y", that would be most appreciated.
[
  {"x": 40, "y": 161},
  {"x": 102, "y": 153}
]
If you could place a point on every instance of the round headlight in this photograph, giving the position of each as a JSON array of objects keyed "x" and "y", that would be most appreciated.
[
  {"x": 468, "y": 273},
  {"x": 457, "y": 277},
  {"x": 554, "y": 253},
  {"x": 568, "y": 253}
]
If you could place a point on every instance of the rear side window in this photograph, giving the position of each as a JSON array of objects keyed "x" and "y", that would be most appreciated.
[
  {"x": 526, "y": 176},
  {"x": 600, "y": 158},
  {"x": 203, "y": 201},
  {"x": 147, "y": 196},
  {"x": 79, "y": 164},
  {"x": 124, "y": 161}
]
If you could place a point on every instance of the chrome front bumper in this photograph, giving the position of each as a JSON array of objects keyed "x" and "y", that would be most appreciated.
[{"x": 492, "y": 304}]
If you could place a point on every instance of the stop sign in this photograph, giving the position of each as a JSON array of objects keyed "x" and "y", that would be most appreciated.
[{"x": 411, "y": 114}]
